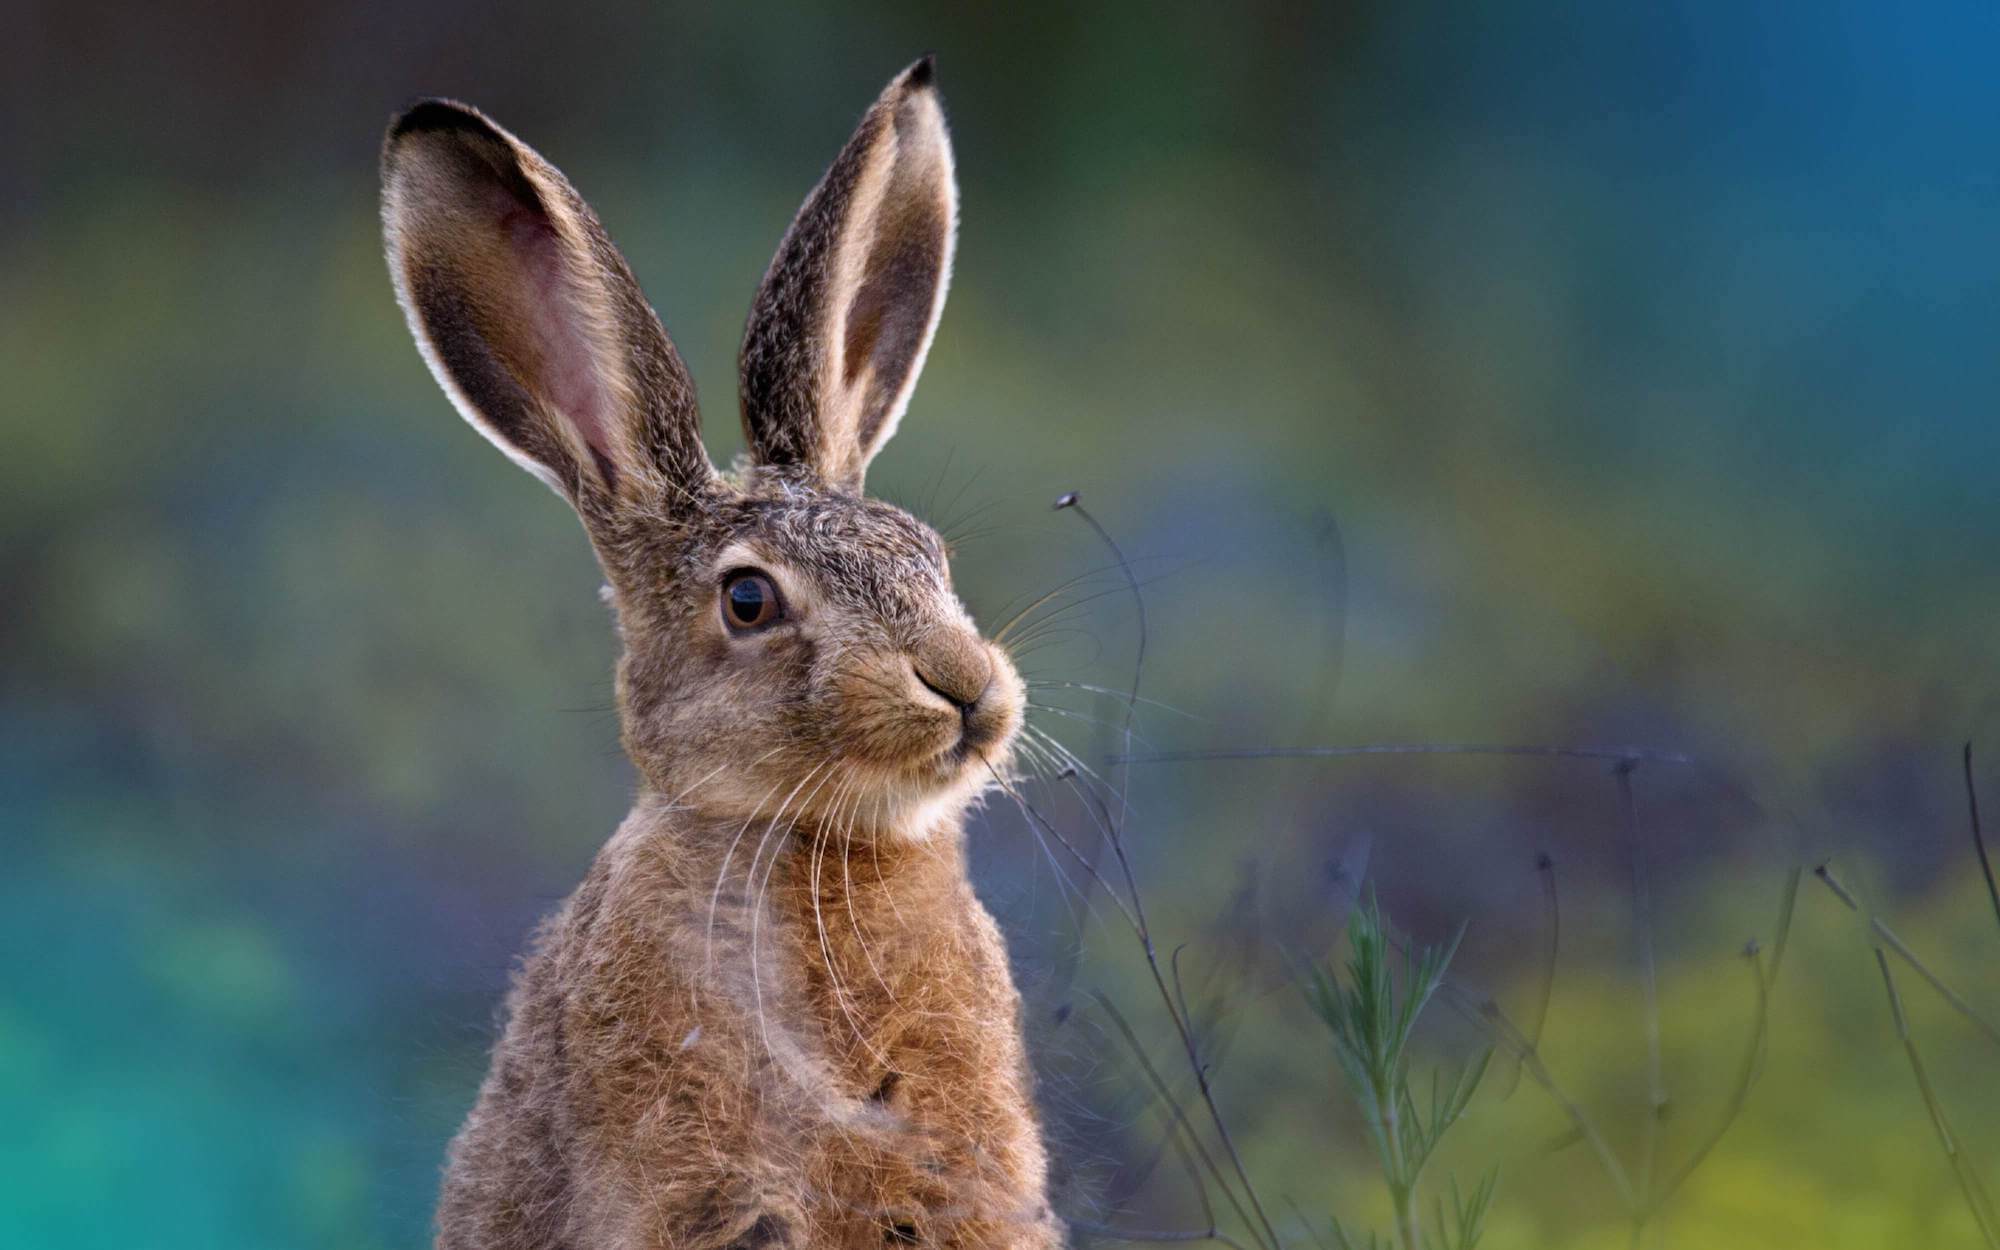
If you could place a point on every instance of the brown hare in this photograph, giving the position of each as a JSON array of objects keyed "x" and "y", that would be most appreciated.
[{"x": 774, "y": 1013}]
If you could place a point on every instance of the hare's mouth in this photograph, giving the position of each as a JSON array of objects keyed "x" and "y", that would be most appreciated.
[
  {"x": 981, "y": 748},
  {"x": 976, "y": 748}
]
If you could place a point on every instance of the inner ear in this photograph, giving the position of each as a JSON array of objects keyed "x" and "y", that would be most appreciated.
[
  {"x": 838, "y": 333},
  {"x": 555, "y": 318},
  {"x": 889, "y": 320},
  {"x": 895, "y": 267},
  {"x": 530, "y": 319}
]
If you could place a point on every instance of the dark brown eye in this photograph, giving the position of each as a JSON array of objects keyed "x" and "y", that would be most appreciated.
[{"x": 749, "y": 601}]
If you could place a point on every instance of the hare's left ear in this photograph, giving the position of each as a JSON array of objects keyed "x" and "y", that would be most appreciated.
[{"x": 838, "y": 333}]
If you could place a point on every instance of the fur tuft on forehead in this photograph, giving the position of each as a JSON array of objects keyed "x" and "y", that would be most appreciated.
[{"x": 867, "y": 553}]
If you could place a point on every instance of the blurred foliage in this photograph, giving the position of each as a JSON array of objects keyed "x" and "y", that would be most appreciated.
[
  {"x": 1506, "y": 373},
  {"x": 1373, "y": 1022}
]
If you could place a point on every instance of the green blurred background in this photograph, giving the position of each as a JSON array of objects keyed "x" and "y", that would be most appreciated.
[{"x": 1520, "y": 373}]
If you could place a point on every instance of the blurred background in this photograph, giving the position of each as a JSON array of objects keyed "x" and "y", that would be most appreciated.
[{"x": 1566, "y": 374}]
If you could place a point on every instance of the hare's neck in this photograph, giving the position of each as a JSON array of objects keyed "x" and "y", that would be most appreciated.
[
  {"x": 872, "y": 875},
  {"x": 882, "y": 925}
]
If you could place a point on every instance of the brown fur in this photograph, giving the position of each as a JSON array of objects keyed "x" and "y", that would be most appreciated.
[{"x": 774, "y": 1013}]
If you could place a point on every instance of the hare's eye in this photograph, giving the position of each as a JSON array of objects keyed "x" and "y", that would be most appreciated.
[{"x": 749, "y": 601}]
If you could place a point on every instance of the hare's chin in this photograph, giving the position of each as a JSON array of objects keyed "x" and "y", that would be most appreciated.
[
  {"x": 924, "y": 808},
  {"x": 931, "y": 789}
]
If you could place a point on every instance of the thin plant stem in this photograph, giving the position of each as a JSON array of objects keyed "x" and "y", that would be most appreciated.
[
  {"x": 1181, "y": 1026},
  {"x": 1545, "y": 871},
  {"x": 1105, "y": 1232},
  {"x": 1074, "y": 503},
  {"x": 1614, "y": 755},
  {"x": 1509, "y": 1037},
  {"x": 1969, "y": 1184},
  {"x": 1399, "y": 1185},
  {"x": 1746, "y": 1077},
  {"x": 1135, "y": 915},
  {"x": 1649, "y": 988},
  {"x": 1318, "y": 1241},
  {"x": 1887, "y": 937},
  {"x": 1179, "y": 1116},
  {"x": 1979, "y": 838}
]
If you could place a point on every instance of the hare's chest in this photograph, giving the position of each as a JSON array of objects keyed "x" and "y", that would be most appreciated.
[{"x": 939, "y": 1144}]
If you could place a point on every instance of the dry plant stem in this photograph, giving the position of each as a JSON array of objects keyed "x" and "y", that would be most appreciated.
[
  {"x": 1753, "y": 1063},
  {"x": 1178, "y": 1117},
  {"x": 1510, "y": 1038},
  {"x": 1976, "y": 1198},
  {"x": 1641, "y": 1201},
  {"x": 1614, "y": 755},
  {"x": 1887, "y": 937},
  {"x": 1134, "y": 913},
  {"x": 1979, "y": 838},
  {"x": 1311, "y": 1231},
  {"x": 1545, "y": 869},
  {"x": 1753, "y": 1059},
  {"x": 1485, "y": 1013},
  {"x": 1649, "y": 986},
  {"x": 1181, "y": 1026},
  {"x": 1072, "y": 501},
  {"x": 1108, "y": 1233},
  {"x": 1508, "y": 1035},
  {"x": 1882, "y": 940},
  {"x": 1406, "y": 1216}
]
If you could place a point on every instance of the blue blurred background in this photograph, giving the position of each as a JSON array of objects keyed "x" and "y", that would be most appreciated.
[{"x": 1526, "y": 373}]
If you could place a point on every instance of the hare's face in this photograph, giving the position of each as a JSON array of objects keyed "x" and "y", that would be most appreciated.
[
  {"x": 817, "y": 656},
  {"x": 790, "y": 645}
]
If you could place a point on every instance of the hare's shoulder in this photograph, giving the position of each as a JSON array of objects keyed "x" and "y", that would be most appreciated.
[{"x": 629, "y": 927}]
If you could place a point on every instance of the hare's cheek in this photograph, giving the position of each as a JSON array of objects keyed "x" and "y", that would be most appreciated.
[{"x": 872, "y": 716}]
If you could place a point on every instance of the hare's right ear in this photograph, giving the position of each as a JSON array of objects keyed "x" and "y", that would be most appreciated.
[
  {"x": 529, "y": 318},
  {"x": 840, "y": 327}
]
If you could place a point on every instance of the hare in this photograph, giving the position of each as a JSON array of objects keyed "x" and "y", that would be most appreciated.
[{"x": 774, "y": 1013}]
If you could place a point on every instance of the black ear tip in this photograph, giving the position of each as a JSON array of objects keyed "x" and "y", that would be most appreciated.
[
  {"x": 433, "y": 114},
  {"x": 923, "y": 73}
]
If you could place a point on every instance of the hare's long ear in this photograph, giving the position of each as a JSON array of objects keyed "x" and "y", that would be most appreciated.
[
  {"x": 530, "y": 319},
  {"x": 845, "y": 315}
]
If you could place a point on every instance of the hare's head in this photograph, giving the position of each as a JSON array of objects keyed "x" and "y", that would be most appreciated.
[{"x": 789, "y": 644}]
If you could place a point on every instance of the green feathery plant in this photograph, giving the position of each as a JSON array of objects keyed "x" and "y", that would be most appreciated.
[{"x": 1372, "y": 1020}]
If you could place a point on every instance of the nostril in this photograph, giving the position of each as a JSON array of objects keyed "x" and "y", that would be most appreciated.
[
  {"x": 954, "y": 697},
  {"x": 955, "y": 668}
]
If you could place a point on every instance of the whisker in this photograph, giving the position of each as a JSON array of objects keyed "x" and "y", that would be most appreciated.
[
  {"x": 1069, "y": 756},
  {"x": 1072, "y": 502},
  {"x": 1040, "y": 684},
  {"x": 673, "y": 804},
  {"x": 1058, "y": 589},
  {"x": 1061, "y": 876},
  {"x": 715, "y": 895},
  {"x": 825, "y": 834},
  {"x": 847, "y": 890},
  {"x": 1090, "y": 866},
  {"x": 1085, "y": 717},
  {"x": 757, "y": 896},
  {"x": 1043, "y": 640},
  {"x": 1075, "y": 604},
  {"x": 875, "y": 848}
]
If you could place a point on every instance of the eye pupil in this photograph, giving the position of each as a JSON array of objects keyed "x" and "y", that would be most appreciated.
[{"x": 749, "y": 600}]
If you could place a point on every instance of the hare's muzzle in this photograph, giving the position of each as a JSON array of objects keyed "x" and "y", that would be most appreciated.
[{"x": 963, "y": 671}]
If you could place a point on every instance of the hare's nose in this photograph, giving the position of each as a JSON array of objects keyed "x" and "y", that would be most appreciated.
[{"x": 957, "y": 671}]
